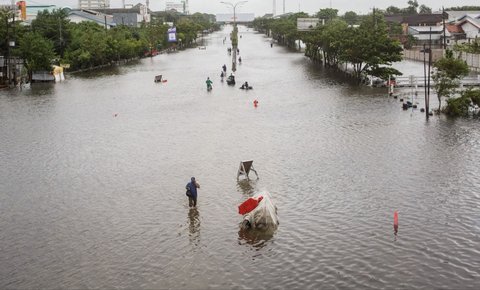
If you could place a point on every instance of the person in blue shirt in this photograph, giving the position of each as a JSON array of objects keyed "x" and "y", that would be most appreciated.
[{"x": 192, "y": 192}]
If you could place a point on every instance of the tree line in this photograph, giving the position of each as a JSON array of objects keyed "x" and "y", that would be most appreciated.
[
  {"x": 366, "y": 48},
  {"x": 53, "y": 39}
]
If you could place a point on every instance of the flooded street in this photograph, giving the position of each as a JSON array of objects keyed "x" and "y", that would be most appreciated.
[{"x": 93, "y": 172}]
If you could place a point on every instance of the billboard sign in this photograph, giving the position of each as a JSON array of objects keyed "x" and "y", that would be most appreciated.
[
  {"x": 172, "y": 34},
  {"x": 306, "y": 24}
]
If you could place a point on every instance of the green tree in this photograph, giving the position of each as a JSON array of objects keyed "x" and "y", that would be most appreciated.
[
  {"x": 54, "y": 26},
  {"x": 88, "y": 47},
  {"x": 392, "y": 10},
  {"x": 370, "y": 50},
  {"x": 447, "y": 75},
  {"x": 412, "y": 7},
  {"x": 350, "y": 17},
  {"x": 332, "y": 44},
  {"x": 424, "y": 10},
  {"x": 327, "y": 14},
  {"x": 37, "y": 52}
]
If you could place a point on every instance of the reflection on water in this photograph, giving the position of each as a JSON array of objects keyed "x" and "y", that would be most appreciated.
[
  {"x": 255, "y": 238},
  {"x": 40, "y": 89},
  {"x": 194, "y": 226},
  {"x": 247, "y": 187}
]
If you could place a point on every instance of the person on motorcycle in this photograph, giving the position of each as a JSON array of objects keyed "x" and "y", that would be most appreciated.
[{"x": 209, "y": 83}]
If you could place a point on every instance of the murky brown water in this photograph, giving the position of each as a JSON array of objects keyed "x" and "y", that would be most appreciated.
[{"x": 89, "y": 200}]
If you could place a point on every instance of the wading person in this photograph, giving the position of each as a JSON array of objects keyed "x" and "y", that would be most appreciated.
[{"x": 192, "y": 192}]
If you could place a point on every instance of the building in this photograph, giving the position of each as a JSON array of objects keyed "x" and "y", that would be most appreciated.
[
  {"x": 415, "y": 20},
  {"x": 454, "y": 16},
  {"x": 133, "y": 16},
  {"x": 93, "y": 4},
  {"x": 470, "y": 24},
  {"x": 423, "y": 33},
  {"x": 77, "y": 16},
  {"x": 178, "y": 6}
]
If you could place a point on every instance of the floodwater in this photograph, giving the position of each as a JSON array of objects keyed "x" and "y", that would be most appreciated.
[{"x": 93, "y": 172}]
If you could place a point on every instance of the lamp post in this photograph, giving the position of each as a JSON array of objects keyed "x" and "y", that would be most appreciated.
[
  {"x": 234, "y": 48},
  {"x": 234, "y": 6}
]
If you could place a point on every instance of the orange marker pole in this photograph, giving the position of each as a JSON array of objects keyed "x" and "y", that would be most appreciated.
[{"x": 395, "y": 221}]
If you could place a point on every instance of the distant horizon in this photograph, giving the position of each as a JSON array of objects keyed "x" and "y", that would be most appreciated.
[{"x": 262, "y": 7}]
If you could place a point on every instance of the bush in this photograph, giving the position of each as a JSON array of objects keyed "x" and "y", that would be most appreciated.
[{"x": 459, "y": 106}]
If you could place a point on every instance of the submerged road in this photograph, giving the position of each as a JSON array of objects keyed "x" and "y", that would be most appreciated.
[{"x": 93, "y": 172}]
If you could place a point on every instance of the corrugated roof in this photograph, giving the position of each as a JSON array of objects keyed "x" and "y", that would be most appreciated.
[
  {"x": 473, "y": 21},
  {"x": 427, "y": 28},
  {"x": 96, "y": 18},
  {"x": 414, "y": 20}
]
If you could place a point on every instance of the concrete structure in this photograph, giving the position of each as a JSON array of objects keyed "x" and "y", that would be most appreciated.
[{"x": 93, "y": 4}]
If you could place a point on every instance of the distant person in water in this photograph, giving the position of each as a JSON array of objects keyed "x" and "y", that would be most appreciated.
[{"x": 192, "y": 192}]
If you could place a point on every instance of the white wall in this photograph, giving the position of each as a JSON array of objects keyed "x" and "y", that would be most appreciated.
[{"x": 470, "y": 30}]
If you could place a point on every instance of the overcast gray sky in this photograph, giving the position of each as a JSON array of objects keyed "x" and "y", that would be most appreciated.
[{"x": 260, "y": 7}]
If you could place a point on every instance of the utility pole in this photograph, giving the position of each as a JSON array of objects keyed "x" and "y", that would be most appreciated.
[
  {"x": 283, "y": 6},
  {"x": 425, "y": 79},
  {"x": 427, "y": 106},
  {"x": 105, "y": 14},
  {"x": 7, "y": 56},
  {"x": 444, "y": 32}
]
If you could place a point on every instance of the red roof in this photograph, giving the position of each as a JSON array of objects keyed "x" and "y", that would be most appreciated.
[{"x": 452, "y": 28}]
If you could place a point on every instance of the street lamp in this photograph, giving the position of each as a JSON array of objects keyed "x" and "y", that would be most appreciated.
[
  {"x": 234, "y": 45},
  {"x": 234, "y": 6}
]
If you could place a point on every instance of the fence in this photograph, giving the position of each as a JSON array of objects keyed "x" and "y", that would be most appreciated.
[{"x": 472, "y": 60}]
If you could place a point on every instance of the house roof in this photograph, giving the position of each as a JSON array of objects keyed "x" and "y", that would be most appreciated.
[
  {"x": 453, "y": 28},
  {"x": 427, "y": 28},
  {"x": 455, "y": 15},
  {"x": 414, "y": 20},
  {"x": 92, "y": 17},
  {"x": 469, "y": 15},
  {"x": 473, "y": 21}
]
